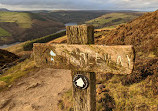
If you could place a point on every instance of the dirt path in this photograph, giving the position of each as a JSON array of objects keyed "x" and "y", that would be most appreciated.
[{"x": 37, "y": 92}]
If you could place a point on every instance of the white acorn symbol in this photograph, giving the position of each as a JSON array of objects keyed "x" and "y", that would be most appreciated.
[{"x": 80, "y": 82}]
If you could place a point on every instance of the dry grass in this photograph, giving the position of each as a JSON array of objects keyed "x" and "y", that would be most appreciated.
[
  {"x": 59, "y": 40},
  {"x": 65, "y": 104},
  {"x": 17, "y": 71}
]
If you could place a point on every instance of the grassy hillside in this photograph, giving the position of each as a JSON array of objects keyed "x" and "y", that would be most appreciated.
[
  {"x": 113, "y": 19},
  {"x": 73, "y": 16},
  {"x": 22, "y": 19},
  {"x": 4, "y": 33},
  {"x": 23, "y": 26},
  {"x": 29, "y": 45}
]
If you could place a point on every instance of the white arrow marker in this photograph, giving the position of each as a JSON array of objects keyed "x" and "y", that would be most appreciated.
[
  {"x": 52, "y": 59},
  {"x": 52, "y": 54},
  {"x": 80, "y": 82}
]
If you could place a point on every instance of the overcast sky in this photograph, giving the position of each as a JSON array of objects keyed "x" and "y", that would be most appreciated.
[{"x": 142, "y": 5}]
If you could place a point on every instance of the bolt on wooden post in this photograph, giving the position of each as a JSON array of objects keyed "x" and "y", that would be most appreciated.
[
  {"x": 84, "y": 59},
  {"x": 83, "y": 99}
]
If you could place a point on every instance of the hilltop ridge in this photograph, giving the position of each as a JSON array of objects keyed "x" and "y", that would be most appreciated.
[
  {"x": 4, "y": 9},
  {"x": 141, "y": 32}
]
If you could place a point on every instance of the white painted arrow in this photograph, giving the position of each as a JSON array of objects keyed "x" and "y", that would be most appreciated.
[
  {"x": 52, "y": 54},
  {"x": 52, "y": 59},
  {"x": 80, "y": 82}
]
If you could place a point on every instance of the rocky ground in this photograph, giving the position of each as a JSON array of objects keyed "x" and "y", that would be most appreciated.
[{"x": 38, "y": 91}]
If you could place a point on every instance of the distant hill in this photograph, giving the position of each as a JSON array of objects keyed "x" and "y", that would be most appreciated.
[
  {"x": 113, "y": 19},
  {"x": 77, "y": 16},
  {"x": 4, "y": 9},
  {"x": 141, "y": 32},
  {"x": 22, "y": 26}
]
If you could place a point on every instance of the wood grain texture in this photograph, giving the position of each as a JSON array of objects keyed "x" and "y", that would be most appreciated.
[
  {"x": 80, "y": 34},
  {"x": 92, "y": 58},
  {"x": 83, "y": 100}
]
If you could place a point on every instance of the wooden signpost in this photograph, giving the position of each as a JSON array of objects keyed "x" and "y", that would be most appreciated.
[{"x": 85, "y": 60}]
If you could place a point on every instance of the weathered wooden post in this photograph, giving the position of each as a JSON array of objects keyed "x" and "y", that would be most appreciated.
[
  {"x": 83, "y": 100},
  {"x": 84, "y": 59}
]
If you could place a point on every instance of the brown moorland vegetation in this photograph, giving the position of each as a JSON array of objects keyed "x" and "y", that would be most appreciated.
[
  {"x": 137, "y": 91},
  {"x": 7, "y": 57},
  {"x": 141, "y": 32}
]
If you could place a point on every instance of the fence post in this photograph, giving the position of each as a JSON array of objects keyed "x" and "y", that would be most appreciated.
[{"x": 83, "y": 99}]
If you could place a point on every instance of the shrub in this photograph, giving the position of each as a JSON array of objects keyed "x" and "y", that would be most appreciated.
[{"x": 29, "y": 45}]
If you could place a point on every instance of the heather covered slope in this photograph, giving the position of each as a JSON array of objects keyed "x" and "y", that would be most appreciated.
[
  {"x": 141, "y": 32},
  {"x": 139, "y": 90},
  {"x": 7, "y": 57}
]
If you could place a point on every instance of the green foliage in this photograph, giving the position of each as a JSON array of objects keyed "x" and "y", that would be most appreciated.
[
  {"x": 29, "y": 45},
  {"x": 17, "y": 71},
  {"x": 5, "y": 78},
  {"x": 65, "y": 104},
  {"x": 3, "y": 32},
  {"x": 61, "y": 104}
]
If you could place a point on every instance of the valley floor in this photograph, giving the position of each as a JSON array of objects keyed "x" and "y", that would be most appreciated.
[{"x": 37, "y": 92}]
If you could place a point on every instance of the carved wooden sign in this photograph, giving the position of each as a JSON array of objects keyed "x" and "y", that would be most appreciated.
[
  {"x": 92, "y": 58},
  {"x": 84, "y": 60}
]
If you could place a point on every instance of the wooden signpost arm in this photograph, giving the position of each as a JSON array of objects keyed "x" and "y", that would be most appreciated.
[{"x": 83, "y": 99}]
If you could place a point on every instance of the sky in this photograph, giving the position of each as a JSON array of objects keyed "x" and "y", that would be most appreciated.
[{"x": 139, "y": 5}]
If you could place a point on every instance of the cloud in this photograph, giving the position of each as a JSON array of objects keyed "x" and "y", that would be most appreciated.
[{"x": 79, "y": 4}]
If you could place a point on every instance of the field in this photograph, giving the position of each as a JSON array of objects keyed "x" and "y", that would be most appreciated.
[
  {"x": 111, "y": 20},
  {"x": 4, "y": 33},
  {"x": 22, "y": 19}
]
